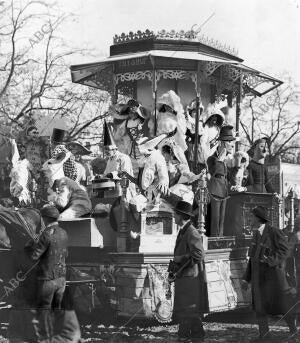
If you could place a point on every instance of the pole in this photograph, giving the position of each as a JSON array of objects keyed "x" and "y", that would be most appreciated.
[
  {"x": 202, "y": 181},
  {"x": 238, "y": 112},
  {"x": 154, "y": 92},
  {"x": 292, "y": 212},
  {"x": 196, "y": 143}
]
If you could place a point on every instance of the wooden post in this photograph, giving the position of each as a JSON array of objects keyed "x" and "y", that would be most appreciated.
[{"x": 238, "y": 112}]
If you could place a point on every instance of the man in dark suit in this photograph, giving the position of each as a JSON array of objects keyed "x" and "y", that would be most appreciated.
[
  {"x": 51, "y": 252},
  {"x": 188, "y": 252},
  {"x": 271, "y": 293}
]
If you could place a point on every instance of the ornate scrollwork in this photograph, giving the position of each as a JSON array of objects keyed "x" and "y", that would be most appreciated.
[
  {"x": 252, "y": 81},
  {"x": 175, "y": 74},
  {"x": 133, "y": 76},
  {"x": 208, "y": 68},
  {"x": 231, "y": 73},
  {"x": 103, "y": 78}
]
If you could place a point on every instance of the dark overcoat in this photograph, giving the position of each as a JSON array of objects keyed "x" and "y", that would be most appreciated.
[
  {"x": 51, "y": 251},
  {"x": 190, "y": 286},
  {"x": 271, "y": 292}
]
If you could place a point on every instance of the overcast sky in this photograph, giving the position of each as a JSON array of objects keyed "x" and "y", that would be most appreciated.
[{"x": 266, "y": 33}]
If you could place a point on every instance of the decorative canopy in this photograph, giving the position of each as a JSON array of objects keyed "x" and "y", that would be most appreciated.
[{"x": 172, "y": 55}]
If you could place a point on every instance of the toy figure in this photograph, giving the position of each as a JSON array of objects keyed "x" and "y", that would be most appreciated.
[
  {"x": 34, "y": 148},
  {"x": 22, "y": 185},
  {"x": 133, "y": 126},
  {"x": 209, "y": 130},
  {"x": 78, "y": 150},
  {"x": 58, "y": 146},
  {"x": 154, "y": 178},
  {"x": 70, "y": 198},
  {"x": 170, "y": 118},
  {"x": 258, "y": 178},
  {"x": 236, "y": 175},
  {"x": 217, "y": 184},
  {"x": 179, "y": 172},
  {"x": 9, "y": 155},
  {"x": 117, "y": 162}
]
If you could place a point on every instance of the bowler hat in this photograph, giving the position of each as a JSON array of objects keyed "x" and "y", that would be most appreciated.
[
  {"x": 184, "y": 207},
  {"x": 226, "y": 133},
  {"x": 261, "y": 212},
  {"x": 50, "y": 211},
  {"x": 58, "y": 135}
]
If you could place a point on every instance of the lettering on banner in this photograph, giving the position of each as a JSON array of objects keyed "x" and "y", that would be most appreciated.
[{"x": 132, "y": 62}]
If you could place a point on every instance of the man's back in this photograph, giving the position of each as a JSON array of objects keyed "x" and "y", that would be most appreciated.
[{"x": 52, "y": 252}]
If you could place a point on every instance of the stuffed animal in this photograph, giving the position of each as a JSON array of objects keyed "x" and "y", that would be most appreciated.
[
  {"x": 21, "y": 181},
  {"x": 237, "y": 173},
  {"x": 53, "y": 168}
]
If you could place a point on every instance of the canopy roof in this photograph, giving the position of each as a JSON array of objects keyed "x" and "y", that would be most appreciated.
[{"x": 172, "y": 52}]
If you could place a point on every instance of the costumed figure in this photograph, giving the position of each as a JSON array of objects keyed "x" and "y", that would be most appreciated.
[
  {"x": 68, "y": 195},
  {"x": 258, "y": 177},
  {"x": 84, "y": 172},
  {"x": 217, "y": 185},
  {"x": 58, "y": 146},
  {"x": 131, "y": 129},
  {"x": 208, "y": 134},
  {"x": 170, "y": 118},
  {"x": 70, "y": 198},
  {"x": 117, "y": 163},
  {"x": 9, "y": 155},
  {"x": 236, "y": 174},
  {"x": 153, "y": 175},
  {"x": 34, "y": 148},
  {"x": 180, "y": 176},
  {"x": 187, "y": 270},
  {"x": 266, "y": 271}
]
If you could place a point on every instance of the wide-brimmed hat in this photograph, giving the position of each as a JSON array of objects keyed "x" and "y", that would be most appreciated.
[
  {"x": 226, "y": 133},
  {"x": 184, "y": 207},
  {"x": 140, "y": 110},
  {"x": 77, "y": 149},
  {"x": 168, "y": 102},
  {"x": 147, "y": 145},
  {"x": 261, "y": 212},
  {"x": 108, "y": 139},
  {"x": 50, "y": 211},
  {"x": 58, "y": 135}
]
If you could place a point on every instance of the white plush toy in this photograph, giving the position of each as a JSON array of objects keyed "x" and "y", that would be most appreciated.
[
  {"x": 20, "y": 181},
  {"x": 53, "y": 168}
]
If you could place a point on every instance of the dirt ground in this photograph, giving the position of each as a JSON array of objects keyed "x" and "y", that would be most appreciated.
[{"x": 215, "y": 333}]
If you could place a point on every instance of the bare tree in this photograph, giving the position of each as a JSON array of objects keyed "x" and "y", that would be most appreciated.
[
  {"x": 275, "y": 116},
  {"x": 34, "y": 71}
]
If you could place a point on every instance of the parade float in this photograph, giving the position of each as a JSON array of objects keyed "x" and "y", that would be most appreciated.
[{"x": 129, "y": 266}]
